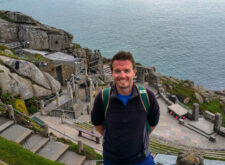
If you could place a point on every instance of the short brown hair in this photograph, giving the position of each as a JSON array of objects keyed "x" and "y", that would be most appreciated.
[{"x": 122, "y": 55}]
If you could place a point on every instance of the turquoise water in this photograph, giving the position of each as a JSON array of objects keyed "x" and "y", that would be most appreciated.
[{"x": 181, "y": 38}]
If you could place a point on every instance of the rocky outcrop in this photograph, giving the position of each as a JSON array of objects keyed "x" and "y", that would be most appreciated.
[
  {"x": 14, "y": 84},
  {"x": 55, "y": 85},
  {"x": 26, "y": 69},
  {"x": 199, "y": 98},
  {"x": 200, "y": 93},
  {"x": 189, "y": 158},
  {"x": 27, "y": 81},
  {"x": 24, "y": 28},
  {"x": 19, "y": 17}
]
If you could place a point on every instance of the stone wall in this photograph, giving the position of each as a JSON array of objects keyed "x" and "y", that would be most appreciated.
[
  {"x": 67, "y": 70},
  {"x": 148, "y": 74},
  {"x": 209, "y": 116}
]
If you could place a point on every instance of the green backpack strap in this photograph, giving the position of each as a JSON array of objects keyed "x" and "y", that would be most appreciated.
[
  {"x": 145, "y": 102},
  {"x": 105, "y": 98}
]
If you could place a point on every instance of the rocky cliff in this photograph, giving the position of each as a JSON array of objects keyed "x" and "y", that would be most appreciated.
[
  {"x": 19, "y": 77},
  {"x": 16, "y": 26}
]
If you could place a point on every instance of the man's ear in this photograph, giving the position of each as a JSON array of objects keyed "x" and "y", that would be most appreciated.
[{"x": 135, "y": 71}]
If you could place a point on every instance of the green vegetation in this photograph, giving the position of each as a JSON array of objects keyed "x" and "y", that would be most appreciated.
[
  {"x": 14, "y": 154},
  {"x": 182, "y": 91},
  {"x": 31, "y": 104},
  {"x": 34, "y": 58},
  {"x": 86, "y": 126},
  {"x": 76, "y": 46},
  {"x": 89, "y": 152},
  {"x": 3, "y": 16},
  {"x": 7, "y": 98},
  {"x": 158, "y": 147},
  {"x": 138, "y": 64}
]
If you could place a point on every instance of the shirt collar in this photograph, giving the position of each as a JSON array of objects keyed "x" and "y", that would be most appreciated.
[{"x": 134, "y": 92}]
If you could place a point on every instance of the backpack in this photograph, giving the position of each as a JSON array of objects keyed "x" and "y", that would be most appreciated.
[{"x": 143, "y": 97}]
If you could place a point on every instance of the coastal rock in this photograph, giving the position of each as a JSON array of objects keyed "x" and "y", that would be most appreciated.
[
  {"x": 27, "y": 81},
  {"x": 55, "y": 85},
  {"x": 19, "y": 17},
  {"x": 8, "y": 31},
  {"x": 80, "y": 53},
  {"x": 88, "y": 53},
  {"x": 222, "y": 100},
  {"x": 189, "y": 83},
  {"x": 38, "y": 39},
  {"x": 222, "y": 93},
  {"x": 14, "y": 84},
  {"x": 40, "y": 91},
  {"x": 186, "y": 100},
  {"x": 17, "y": 26},
  {"x": 172, "y": 79},
  {"x": 26, "y": 69},
  {"x": 199, "y": 97},
  {"x": 189, "y": 158}
]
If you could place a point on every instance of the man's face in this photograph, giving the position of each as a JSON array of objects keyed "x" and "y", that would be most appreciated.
[{"x": 123, "y": 74}]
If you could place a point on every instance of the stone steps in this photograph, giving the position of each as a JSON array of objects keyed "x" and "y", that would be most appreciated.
[
  {"x": 35, "y": 142},
  {"x": 197, "y": 131},
  {"x": 201, "y": 130},
  {"x": 53, "y": 150},
  {"x": 71, "y": 158},
  {"x": 89, "y": 162},
  {"x": 16, "y": 133},
  {"x": 5, "y": 123}
]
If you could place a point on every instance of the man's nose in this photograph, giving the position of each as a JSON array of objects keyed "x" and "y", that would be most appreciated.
[{"x": 122, "y": 74}]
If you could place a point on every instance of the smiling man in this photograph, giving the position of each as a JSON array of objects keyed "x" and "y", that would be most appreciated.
[{"x": 125, "y": 115}]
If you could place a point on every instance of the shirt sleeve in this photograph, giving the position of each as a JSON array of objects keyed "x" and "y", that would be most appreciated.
[
  {"x": 97, "y": 113},
  {"x": 154, "y": 113}
]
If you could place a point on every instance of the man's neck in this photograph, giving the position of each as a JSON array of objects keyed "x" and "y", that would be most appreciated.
[{"x": 126, "y": 91}]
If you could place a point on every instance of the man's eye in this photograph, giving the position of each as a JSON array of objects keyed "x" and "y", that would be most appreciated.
[
  {"x": 117, "y": 71},
  {"x": 127, "y": 71}
]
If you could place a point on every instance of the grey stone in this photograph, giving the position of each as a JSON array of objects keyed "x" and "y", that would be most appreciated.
[
  {"x": 16, "y": 133},
  {"x": 186, "y": 100},
  {"x": 53, "y": 83},
  {"x": 25, "y": 28},
  {"x": 27, "y": 69},
  {"x": 53, "y": 150},
  {"x": 35, "y": 142},
  {"x": 5, "y": 123},
  {"x": 40, "y": 91},
  {"x": 71, "y": 158},
  {"x": 189, "y": 158},
  {"x": 14, "y": 84},
  {"x": 195, "y": 112},
  {"x": 199, "y": 98},
  {"x": 217, "y": 122},
  {"x": 90, "y": 162}
]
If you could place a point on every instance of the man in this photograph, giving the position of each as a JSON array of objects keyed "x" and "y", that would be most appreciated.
[{"x": 123, "y": 125}]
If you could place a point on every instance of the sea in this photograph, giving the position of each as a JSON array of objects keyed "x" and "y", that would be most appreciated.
[{"x": 181, "y": 38}]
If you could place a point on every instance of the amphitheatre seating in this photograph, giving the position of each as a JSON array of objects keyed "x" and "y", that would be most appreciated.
[
  {"x": 87, "y": 128},
  {"x": 91, "y": 133}
]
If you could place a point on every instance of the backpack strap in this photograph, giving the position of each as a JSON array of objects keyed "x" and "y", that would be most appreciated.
[
  {"x": 105, "y": 98},
  {"x": 145, "y": 102}
]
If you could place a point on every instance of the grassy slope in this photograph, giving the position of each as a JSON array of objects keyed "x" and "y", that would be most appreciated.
[{"x": 14, "y": 154}]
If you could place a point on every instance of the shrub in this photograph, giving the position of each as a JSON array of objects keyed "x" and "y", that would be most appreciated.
[
  {"x": 20, "y": 106},
  {"x": 31, "y": 104},
  {"x": 7, "y": 98}
]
